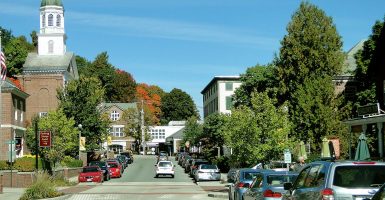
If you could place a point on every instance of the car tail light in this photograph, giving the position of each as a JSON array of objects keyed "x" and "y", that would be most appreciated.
[
  {"x": 364, "y": 163},
  {"x": 117, "y": 170},
  {"x": 327, "y": 194},
  {"x": 241, "y": 185},
  {"x": 270, "y": 193}
]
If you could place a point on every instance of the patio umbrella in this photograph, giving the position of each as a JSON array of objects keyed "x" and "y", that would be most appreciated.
[
  {"x": 302, "y": 150},
  {"x": 362, "y": 152},
  {"x": 325, "y": 150}
]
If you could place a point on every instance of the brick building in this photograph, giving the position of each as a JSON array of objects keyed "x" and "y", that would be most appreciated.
[
  {"x": 13, "y": 102},
  {"x": 52, "y": 67}
]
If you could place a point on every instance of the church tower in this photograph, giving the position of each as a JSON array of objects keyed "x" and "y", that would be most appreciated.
[
  {"x": 51, "y": 38},
  {"x": 52, "y": 67}
]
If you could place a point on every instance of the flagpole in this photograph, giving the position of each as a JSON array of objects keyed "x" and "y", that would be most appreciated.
[{"x": 1, "y": 103}]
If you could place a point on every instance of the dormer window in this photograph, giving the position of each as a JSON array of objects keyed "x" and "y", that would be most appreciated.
[
  {"x": 115, "y": 115},
  {"x": 58, "y": 20},
  {"x": 50, "y": 20}
]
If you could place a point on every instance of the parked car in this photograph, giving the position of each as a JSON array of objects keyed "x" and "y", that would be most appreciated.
[
  {"x": 129, "y": 157},
  {"x": 207, "y": 172},
  {"x": 337, "y": 180},
  {"x": 181, "y": 159},
  {"x": 104, "y": 167},
  {"x": 164, "y": 168},
  {"x": 243, "y": 178},
  {"x": 188, "y": 164},
  {"x": 91, "y": 174},
  {"x": 185, "y": 160},
  {"x": 195, "y": 164},
  {"x": 115, "y": 168},
  {"x": 268, "y": 185},
  {"x": 122, "y": 160},
  {"x": 121, "y": 167},
  {"x": 231, "y": 175}
]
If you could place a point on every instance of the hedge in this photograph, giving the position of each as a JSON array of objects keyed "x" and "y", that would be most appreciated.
[{"x": 24, "y": 164}]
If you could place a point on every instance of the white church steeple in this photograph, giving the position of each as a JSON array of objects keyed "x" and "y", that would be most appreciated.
[{"x": 52, "y": 38}]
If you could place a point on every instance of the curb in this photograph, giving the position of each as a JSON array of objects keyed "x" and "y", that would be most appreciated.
[
  {"x": 221, "y": 196},
  {"x": 66, "y": 196}
]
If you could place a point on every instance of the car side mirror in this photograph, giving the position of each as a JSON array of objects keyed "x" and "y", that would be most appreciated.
[{"x": 287, "y": 186}]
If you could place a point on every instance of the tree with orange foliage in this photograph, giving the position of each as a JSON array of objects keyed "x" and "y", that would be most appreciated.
[{"x": 151, "y": 97}]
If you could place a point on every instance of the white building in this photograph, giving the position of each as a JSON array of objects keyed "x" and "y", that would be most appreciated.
[
  {"x": 217, "y": 95},
  {"x": 159, "y": 134}
]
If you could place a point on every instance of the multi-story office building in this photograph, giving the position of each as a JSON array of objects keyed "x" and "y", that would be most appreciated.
[{"x": 218, "y": 94}]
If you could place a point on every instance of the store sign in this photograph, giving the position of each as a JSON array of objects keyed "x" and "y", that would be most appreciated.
[
  {"x": 368, "y": 110},
  {"x": 45, "y": 139}
]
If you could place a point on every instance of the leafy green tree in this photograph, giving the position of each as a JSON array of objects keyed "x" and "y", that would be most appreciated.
[
  {"x": 312, "y": 48},
  {"x": 125, "y": 87},
  {"x": 258, "y": 134},
  {"x": 259, "y": 78},
  {"x": 80, "y": 100},
  {"x": 83, "y": 65},
  {"x": 105, "y": 72},
  {"x": 16, "y": 52},
  {"x": 64, "y": 137},
  {"x": 369, "y": 71},
  {"x": 177, "y": 105},
  {"x": 193, "y": 131},
  {"x": 35, "y": 40},
  {"x": 6, "y": 36},
  {"x": 213, "y": 134},
  {"x": 311, "y": 54}
]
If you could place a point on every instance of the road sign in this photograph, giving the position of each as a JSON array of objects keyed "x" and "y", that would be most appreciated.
[
  {"x": 11, "y": 156},
  {"x": 287, "y": 156},
  {"x": 45, "y": 138}
]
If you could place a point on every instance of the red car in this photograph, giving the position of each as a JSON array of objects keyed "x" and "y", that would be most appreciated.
[
  {"x": 115, "y": 168},
  {"x": 91, "y": 174}
]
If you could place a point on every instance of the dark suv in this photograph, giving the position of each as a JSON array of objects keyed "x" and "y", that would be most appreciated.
[{"x": 337, "y": 180}]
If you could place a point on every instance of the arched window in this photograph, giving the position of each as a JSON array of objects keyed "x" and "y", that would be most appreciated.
[
  {"x": 58, "y": 20},
  {"x": 50, "y": 46},
  {"x": 43, "y": 20},
  {"x": 50, "y": 20}
]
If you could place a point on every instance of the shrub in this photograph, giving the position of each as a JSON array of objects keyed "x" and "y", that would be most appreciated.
[
  {"x": 42, "y": 188},
  {"x": 68, "y": 161},
  {"x": 4, "y": 165},
  {"x": 26, "y": 164}
]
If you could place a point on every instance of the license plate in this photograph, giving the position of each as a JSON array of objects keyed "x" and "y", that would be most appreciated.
[{"x": 89, "y": 179}]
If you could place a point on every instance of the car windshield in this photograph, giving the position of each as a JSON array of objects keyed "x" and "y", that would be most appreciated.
[
  {"x": 209, "y": 167},
  {"x": 165, "y": 164},
  {"x": 90, "y": 169},
  {"x": 102, "y": 165},
  {"x": 359, "y": 176},
  {"x": 113, "y": 165},
  {"x": 280, "y": 179},
  {"x": 249, "y": 175}
]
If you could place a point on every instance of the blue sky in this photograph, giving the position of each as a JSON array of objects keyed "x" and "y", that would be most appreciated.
[{"x": 185, "y": 43}]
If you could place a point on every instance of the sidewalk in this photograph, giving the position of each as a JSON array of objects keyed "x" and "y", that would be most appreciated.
[
  {"x": 216, "y": 189},
  {"x": 12, "y": 193}
]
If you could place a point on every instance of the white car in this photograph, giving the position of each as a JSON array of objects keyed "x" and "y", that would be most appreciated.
[
  {"x": 207, "y": 172},
  {"x": 164, "y": 168}
]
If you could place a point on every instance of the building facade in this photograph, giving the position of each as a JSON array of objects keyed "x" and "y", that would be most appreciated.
[
  {"x": 159, "y": 135},
  {"x": 52, "y": 67},
  {"x": 13, "y": 122},
  {"x": 218, "y": 94},
  {"x": 118, "y": 141}
]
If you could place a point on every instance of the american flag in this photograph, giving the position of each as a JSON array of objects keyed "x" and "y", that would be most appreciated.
[{"x": 3, "y": 66}]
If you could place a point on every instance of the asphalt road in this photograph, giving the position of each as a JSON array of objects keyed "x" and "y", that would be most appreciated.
[{"x": 143, "y": 170}]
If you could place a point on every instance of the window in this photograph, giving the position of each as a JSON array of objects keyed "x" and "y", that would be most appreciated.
[
  {"x": 15, "y": 107},
  {"x": 58, "y": 20},
  {"x": 50, "y": 20},
  {"x": 229, "y": 103},
  {"x": 114, "y": 115},
  {"x": 50, "y": 46},
  {"x": 43, "y": 20},
  {"x": 116, "y": 131},
  {"x": 158, "y": 133},
  {"x": 229, "y": 86}
]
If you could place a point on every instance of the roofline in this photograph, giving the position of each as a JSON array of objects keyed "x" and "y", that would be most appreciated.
[{"x": 220, "y": 78}]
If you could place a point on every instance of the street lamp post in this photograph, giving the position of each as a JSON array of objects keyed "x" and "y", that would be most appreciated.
[{"x": 80, "y": 126}]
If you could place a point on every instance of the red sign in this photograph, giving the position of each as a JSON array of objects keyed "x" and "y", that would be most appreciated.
[{"x": 45, "y": 139}]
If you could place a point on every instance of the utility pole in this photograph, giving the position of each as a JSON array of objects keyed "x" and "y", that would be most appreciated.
[{"x": 142, "y": 129}]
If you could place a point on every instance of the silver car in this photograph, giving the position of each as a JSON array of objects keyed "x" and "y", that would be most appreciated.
[
  {"x": 164, "y": 168},
  {"x": 207, "y": 172},
  {"x": 268, "y": 185},
  {"x": 350, "y": 180}
]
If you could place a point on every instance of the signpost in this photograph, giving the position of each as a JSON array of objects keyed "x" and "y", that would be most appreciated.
[
  {"x": 287, "y": 157},
  {"x": 11, "y": 154},
  {"x": 45, "y": 139}
]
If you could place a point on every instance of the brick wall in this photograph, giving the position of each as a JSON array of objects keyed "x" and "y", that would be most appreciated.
[{"x": 25, "y": 179}]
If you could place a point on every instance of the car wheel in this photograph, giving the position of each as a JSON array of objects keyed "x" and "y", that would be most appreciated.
[
  {"x": 156, "y": 176},
  {"x": 172, "y": 176}
]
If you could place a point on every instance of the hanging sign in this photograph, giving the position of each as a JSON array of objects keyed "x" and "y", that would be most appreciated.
[{"x": 45, "y": 139}]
